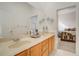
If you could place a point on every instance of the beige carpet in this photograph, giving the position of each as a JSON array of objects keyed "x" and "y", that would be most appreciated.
[{"x": 68, "y": 46}]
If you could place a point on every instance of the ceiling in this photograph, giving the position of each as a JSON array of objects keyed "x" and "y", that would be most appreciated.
[{"x": 49, "y": 7}]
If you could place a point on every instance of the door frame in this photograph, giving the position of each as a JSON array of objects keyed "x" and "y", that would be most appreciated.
[{"x": 72, "y": 6}]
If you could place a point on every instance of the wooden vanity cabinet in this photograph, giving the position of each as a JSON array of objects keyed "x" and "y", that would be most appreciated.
[
  {"x": 41, "y": 49},
  {"x": 36, "y": 50}
]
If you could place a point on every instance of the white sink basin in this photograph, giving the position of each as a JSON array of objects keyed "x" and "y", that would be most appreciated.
[
  {"x": 18, "y": 44},
  {"x": 2, "y": 40}
]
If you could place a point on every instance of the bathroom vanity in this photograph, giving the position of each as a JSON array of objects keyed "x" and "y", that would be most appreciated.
[
  {"x": 44, "y": 48},
  {"x": 28, "y": 46}
]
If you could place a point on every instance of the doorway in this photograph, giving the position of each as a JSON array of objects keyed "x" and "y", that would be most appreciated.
[{"x": 67, "y": 29}]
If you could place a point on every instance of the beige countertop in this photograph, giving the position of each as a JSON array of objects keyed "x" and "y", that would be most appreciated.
[{"x": 6, "y": 48}]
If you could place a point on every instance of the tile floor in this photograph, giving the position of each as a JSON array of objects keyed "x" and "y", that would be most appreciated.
[
  {"x": 61, "y": 52},
  {"x": 68, "y": 46}
]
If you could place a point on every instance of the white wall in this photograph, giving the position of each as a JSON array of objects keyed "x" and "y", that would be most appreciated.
[
  {"x": 0, "y": 24},
  {"x": 77, "y": 29},
  {"x": 0, "y": 30}
]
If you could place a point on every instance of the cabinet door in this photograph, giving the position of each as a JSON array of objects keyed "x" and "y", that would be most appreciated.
[
  {"x": 51, "y": 44},
  {"x": 36, "y": 50},
  {"x": 44, "y": 48},
  {"x": 24, "y": 53}
]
